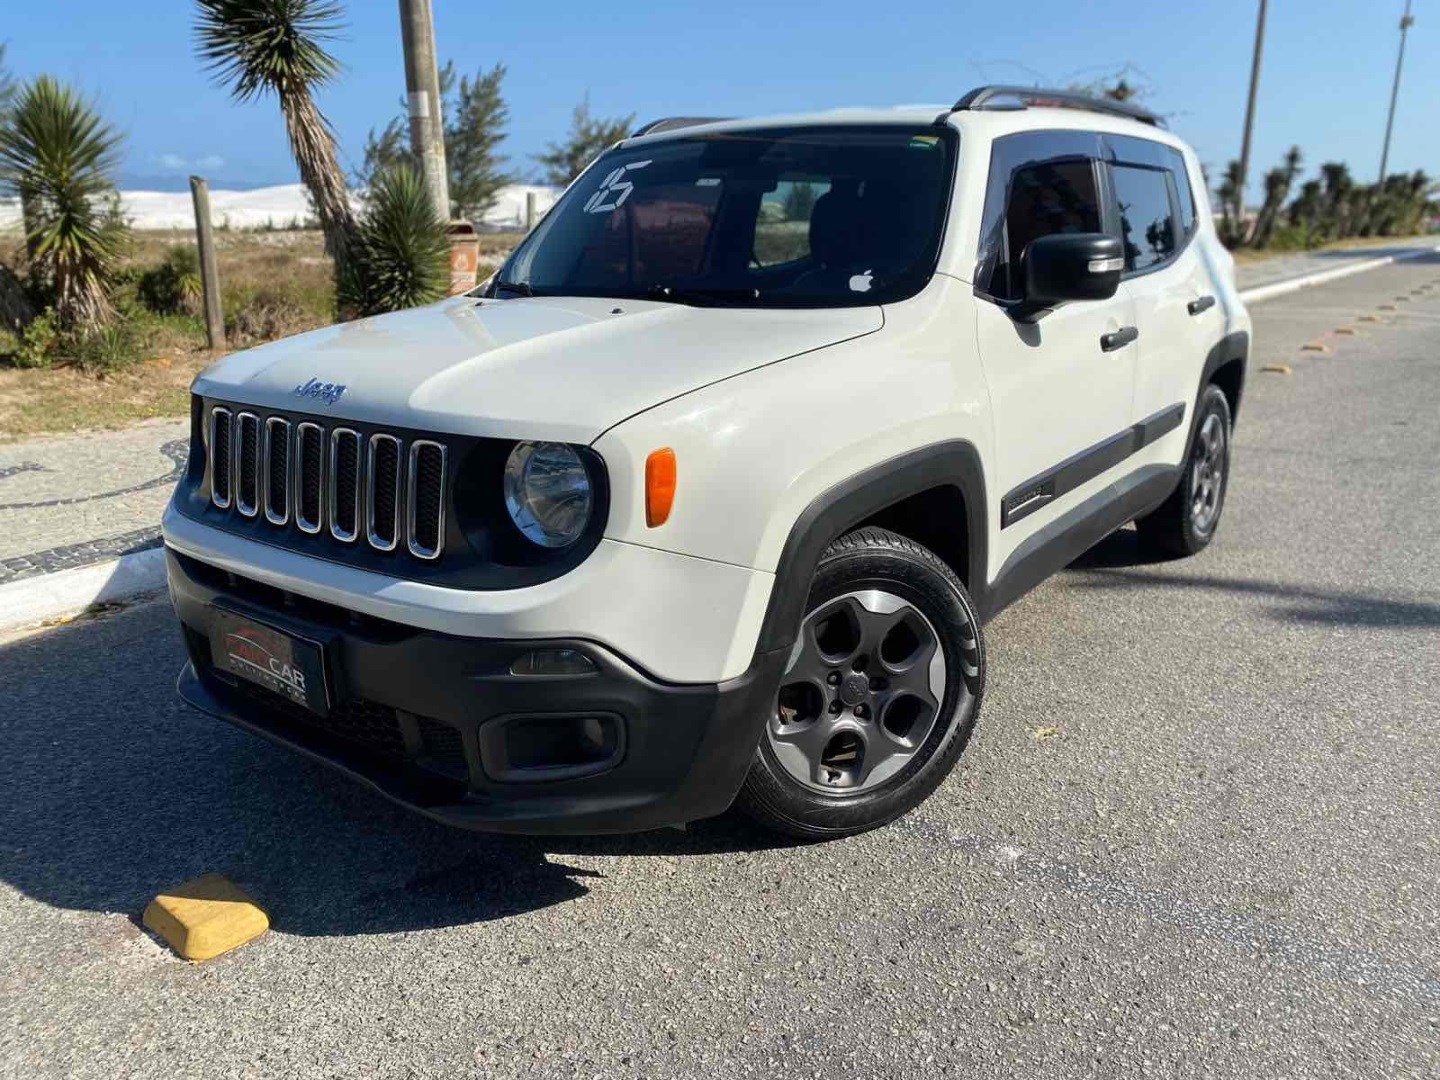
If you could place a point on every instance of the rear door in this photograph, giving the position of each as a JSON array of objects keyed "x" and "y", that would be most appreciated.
[
  {"x": 1060, "y": 398},
  {"x": 1177, "y": 312}
]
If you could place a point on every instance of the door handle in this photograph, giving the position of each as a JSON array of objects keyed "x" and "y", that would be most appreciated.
[
  {"x": 1204, "y": 303},
  {"x": 1119, "y": 339}
]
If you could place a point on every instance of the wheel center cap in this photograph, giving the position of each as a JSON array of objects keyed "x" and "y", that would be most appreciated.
[{"x": 855, "y": 689}]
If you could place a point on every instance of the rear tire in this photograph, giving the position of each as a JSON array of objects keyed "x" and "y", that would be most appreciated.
[
  {"x": 880, "y": 694},
  {"x": 1186, "y": 522}
]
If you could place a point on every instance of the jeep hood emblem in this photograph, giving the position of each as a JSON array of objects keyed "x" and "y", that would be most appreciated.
[{"x": 325, "y": 392}]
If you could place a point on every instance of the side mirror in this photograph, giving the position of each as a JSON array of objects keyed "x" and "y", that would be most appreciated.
[{"x": 1069, "y": 266}]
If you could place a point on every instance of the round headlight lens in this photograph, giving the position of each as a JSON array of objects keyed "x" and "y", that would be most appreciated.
[{"x": 548, "y": 493}]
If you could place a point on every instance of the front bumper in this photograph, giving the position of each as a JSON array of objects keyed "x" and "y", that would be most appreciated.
[{"x": 411, "y": 709}]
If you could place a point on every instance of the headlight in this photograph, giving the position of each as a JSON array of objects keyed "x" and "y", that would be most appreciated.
[{"x": 548, "y": 493}]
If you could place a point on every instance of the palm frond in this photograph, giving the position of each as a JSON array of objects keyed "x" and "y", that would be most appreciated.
[
  {"x": 401, "y": 255},
  {"x": 259, "y": 46}
]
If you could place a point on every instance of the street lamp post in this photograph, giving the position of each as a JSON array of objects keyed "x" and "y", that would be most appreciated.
[{"x": 1406, "y": 21}]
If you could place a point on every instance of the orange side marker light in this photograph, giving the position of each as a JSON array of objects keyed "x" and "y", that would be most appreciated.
[{"x": 659, "y": 486}]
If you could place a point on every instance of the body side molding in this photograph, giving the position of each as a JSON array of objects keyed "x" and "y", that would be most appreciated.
[
  {"x": 1072, "y": 534},
  {"x": 1083, "y": 467}
]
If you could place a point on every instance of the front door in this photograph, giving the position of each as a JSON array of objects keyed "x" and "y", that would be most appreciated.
[{"x": 1061, "y": 388}]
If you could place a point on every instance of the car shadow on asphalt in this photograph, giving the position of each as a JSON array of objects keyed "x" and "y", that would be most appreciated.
[
  {"x": 1121, "y": 548},
  {"x": 1292, "y": 603},
  {"x": 114, "y": 790}
]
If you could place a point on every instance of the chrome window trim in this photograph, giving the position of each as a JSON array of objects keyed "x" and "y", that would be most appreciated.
[
  {"x": 375, "y": 541},
  {"x": 271, "y": 422},
  {"x": 333, "y": 490},
  {"x": 297, "y": 466},
  {"x": 418, "y": 550},
  {"x": 210, "y": 458},
  {"x": 236, "y": 453}
]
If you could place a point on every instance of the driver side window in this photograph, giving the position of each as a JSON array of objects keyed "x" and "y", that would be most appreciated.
[
  {"x": 1041, "y": 183},
  {"x": 1046, "y": 198}
]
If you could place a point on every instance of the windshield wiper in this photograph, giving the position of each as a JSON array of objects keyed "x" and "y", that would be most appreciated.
[
  {"x": 524, "y": 288},
  {"x": 700, "y": 295}
]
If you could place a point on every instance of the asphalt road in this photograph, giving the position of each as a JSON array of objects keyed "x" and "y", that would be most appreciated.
[{"x": 1225, "y": 863}]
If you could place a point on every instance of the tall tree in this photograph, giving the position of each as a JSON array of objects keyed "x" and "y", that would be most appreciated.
[
  {"x": 1339, "y": 187},
  {"x": 475, "y": 118},
  {"x": 1278, "y": 183},
  {"x": 474, "y": 130},
  {"x": 258, "y": 47},
  {"x": 589, "y": 137},
  {"x": 1231, "y": 228},
  {"x": 58, "y": 155}
]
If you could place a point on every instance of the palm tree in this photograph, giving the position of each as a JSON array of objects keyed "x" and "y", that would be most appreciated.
[
  {"x": 57, "y": 154},
  {"x": 1278, "y": 183},
  {"x": 277, "y": 46},
  {"x": 1232, "y": 207}
]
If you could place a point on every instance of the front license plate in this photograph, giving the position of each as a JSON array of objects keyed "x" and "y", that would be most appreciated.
[{"x": 290, "y": 666}]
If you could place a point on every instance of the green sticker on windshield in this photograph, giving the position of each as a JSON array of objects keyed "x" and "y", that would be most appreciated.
[{"x": 924, "y": 142}]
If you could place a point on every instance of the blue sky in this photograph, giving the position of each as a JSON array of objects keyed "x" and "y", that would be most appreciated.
[{"x": 1325, "y": 85}]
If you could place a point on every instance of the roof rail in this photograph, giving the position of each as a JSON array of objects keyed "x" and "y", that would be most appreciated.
[
  {"x": 670, "y": 123},
  {"x": 1022, "y": 97}
]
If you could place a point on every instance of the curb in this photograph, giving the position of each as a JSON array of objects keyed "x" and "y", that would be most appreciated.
[
  {"x": 33, "y": 601},
  {"x": 1258, "y": 293},
  {"x": 66, "y": 593}
]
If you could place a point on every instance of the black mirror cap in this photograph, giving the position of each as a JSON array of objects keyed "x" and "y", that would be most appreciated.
[{"x": 1071, "y": 266}]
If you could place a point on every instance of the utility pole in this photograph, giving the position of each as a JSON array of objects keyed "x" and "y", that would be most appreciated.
[
  {"x": 1250, "y": 116},
  {"x": 422, "y": 86},
  {"x": 1406, "y": 21}
]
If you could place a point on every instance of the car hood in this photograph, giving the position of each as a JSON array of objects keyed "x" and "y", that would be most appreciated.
[{"x": 554, "y": 368}]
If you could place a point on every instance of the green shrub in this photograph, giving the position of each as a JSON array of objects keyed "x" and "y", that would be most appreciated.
[
  {"x": 401, "y": 255},
  {"x": 173, "y": 287},
  {"x": 264, "y": 314},
  {"x": 1292, "y": 238},
  {"x": 113, "y": 347},
  {"x": 38, "y": 342}
]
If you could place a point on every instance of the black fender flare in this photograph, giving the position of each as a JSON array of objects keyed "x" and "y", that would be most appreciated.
[
  {"x": 1233, "y": 346},
  {"x": 841, "y": 508}
]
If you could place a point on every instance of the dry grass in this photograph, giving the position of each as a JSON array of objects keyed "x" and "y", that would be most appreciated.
[
  {"x": 273, "y": 284},
  {"x": 64, "y": 400}
]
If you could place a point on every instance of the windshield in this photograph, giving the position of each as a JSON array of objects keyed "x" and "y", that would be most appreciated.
[{"x": 796, "y": 217}]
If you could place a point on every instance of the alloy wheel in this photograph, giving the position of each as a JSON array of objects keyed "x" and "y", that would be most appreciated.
[
  {"x": 1207, "y": 473},
  {"x": 861, "y": 693}
]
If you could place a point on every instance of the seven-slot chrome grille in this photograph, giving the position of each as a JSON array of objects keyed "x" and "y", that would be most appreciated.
[{"x": 377, "y": 490}]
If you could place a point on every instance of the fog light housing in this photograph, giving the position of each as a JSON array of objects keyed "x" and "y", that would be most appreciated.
[
  {"x": 552, "y": 662},
  {"x": 551, "y": 747}
]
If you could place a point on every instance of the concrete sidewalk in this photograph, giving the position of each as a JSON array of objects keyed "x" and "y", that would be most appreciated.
[
  {"x": 84, "y": 500},
  {"x": 67, "y": 502},
  {"x": 1276, "y": 268}
]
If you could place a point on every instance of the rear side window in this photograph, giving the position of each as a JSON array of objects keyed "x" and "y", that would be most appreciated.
[
  {"x": 1147, "y": 227},
  {"x": 1181, "y": 176}
]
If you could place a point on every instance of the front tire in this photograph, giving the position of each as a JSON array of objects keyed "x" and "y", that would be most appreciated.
[
  {"x": 1186, "y": 522},
  {"x": 880, "y": 694}
]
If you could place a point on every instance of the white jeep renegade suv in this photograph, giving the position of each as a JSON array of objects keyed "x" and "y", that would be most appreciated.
[{"x": 704, "y": 498}]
